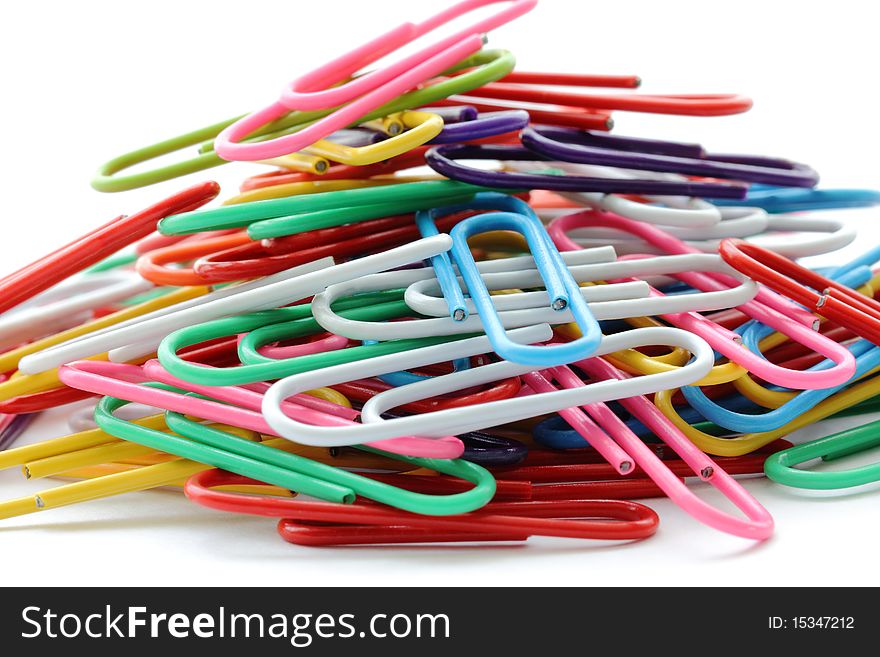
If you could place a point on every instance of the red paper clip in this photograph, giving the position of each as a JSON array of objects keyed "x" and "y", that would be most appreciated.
[
  {"x": 528, "y": 87},
  {"x": 97, "y": 245},
  {"x": 840, "y": 304},
  {"x": 368, "y": 523}
]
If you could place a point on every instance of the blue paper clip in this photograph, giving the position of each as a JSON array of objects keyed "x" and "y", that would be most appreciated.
[
  {"x": 735, "y": 410},
  {"x": 852, "y": 274},
  {"x": 867, "y": 358},
  {"x": 563, "y": 290},
  {"x": 779, "y": 200},
  {"x": 554, "y": 432},
  {"x": 398, "y": 379}
]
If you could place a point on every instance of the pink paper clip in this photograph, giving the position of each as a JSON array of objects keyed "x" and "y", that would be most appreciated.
[
  {"x": 758, "y": 524},
  {"x": 320, "y": 344},
  {"x": 123, "y": 381},
  {"x": 717, "y": 336},
  {"x": 315, "y": 89}
]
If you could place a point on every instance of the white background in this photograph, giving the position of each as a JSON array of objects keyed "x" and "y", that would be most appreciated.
[{"x": 85, "y": 81}]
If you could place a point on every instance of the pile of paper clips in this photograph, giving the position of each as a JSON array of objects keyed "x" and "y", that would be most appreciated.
[{"x": 377, "y": 351}]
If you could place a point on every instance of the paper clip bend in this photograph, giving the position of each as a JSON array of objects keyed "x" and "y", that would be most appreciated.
[
  {"x": 444, "y": 160},
  {"x": 367, "y": 92},
  {"x": 458, "y": 420},
  {"x": 486, "y": 124},
  {"x": 483, "y": 67},
  {"x": 420, "y": 127},
  {"x": 818, "y": 293},
  {"x": 562, "y": 290},
  {"x": 570, "y": 145},
  {"x": 780, "y": 466},
  {"x": 318, "y": 89},
  {"x": 757, "y": 525},
  {"x": 271, "y": 465},
  {"x": 625, "y": 520}
]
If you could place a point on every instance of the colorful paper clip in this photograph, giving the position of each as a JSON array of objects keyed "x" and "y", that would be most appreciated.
[{"x": 442, "y": 351}]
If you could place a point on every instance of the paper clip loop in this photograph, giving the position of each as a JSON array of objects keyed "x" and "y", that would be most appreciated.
[
  {"x": 562, "y": 289},
  {"x": 368, "y": 91},
  {"x": 780, "y": 466}
]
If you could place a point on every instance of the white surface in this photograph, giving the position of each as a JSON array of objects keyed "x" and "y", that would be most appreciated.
[{"x": 86, "y": 81}]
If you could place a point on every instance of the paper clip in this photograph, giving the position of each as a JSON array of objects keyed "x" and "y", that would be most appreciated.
[
  {"x": 125, "y": 381},
  {"x": 617, "y": 520},
  {"x": 293, "y": 472},
  {"x": 780, "y": 466},
  {"x": 530, "y": 87},
  {"x": 458, "y": 420},
  {"x": 143, "y": 337},
  {"x": 824, "y": 296},
  {"x": 562, "y": 290},
  {"x": 778, "y": 200},
  {"x": 316, "y": 91},
  {"x": 96, "y": 245},
  {"x": 483, "y": 67},
  {"x": 444, "y": 160},
  {"x": 364, "y": 389},
  {"x": 768, "y": 308},
  {"x": 789, "y": 405},
  {"x": 569, "y": 145}
]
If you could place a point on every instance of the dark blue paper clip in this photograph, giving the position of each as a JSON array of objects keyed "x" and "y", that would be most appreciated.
[
  {"x": 486, "y": 124},
  {"x": 14, "y": 428}
]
